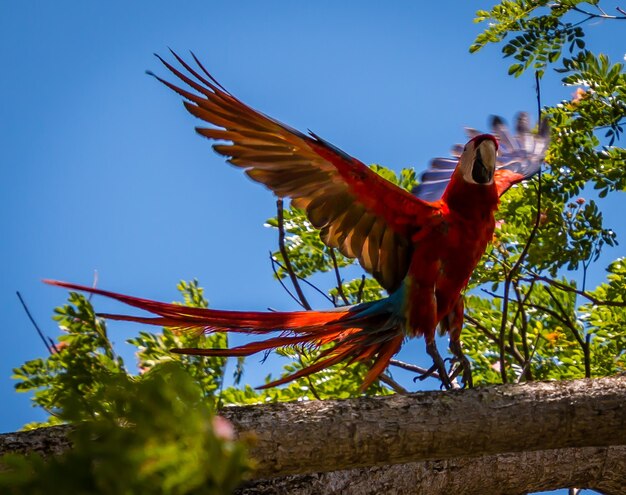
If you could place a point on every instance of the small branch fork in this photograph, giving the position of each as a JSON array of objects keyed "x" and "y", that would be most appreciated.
[
  {"x": 47, "y": 341},
  {"x": 302, "y": 300},
  {"x": 283, "y": 251},
  {"x": 566, "y": 288},
  {"x": 276, "y": 263},
  {"x": 602, "y": 14},
  {"x": 413, "y": 368},
  {"x": 340, "y": 291}
]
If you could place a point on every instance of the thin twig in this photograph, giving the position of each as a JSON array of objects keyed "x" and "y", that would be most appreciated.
[
  {"x": 499, "y": 261},
  {"x": 301, "y": 350},
  {"x": 359, "y": 295},
  {"x": 557, "y": 316},
  {"x": 538, "y": 94},
  {"x": 568, "y": 288},
  {"x": 524, "y": 327},
  {"x": 94, "y": 284},
  {"x": 52, "y": 348},
  {"x": 338, "y": 276},
  {"x": 492, "y": 336},
  {"x": 585, "y": 267},
  {"x": 603, "y": 14},
  {"x": 587, "y": 355},
  {"x": 294, "y": 280},
  {"x": 528, "y": 361},
  {"x": 601, "y": 10},
  {"x": 533, "y": 232},
  {"x": 499, "y": 339},
  {"x": 412, "y": 367},
  {"x": 395, "y": 386},
  {"x": 39, "y": 332},
  {"x": 503, "y": 321},
  {"x": 283, "y": 251},
  {"x": 565, "y": 317},
  {"x": 511, "y": 350},
  {"x": 302, "y": 279},
  {"x": 515, "y": 269},
  {"x": 518, "y": 313},
  {"x": 491, "y": 293},
  {"x": 312, "y": 387},
  {"x": 280, "y": 280},
  {"x": 617, "y": 123},
  {"x": 584, "y": 344}
]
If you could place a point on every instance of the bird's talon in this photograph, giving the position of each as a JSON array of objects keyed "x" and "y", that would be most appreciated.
[
  {"x": 428, "y": 373},
  {"x": 439, "y": 364},
  {"x": 464, "y": 364}
]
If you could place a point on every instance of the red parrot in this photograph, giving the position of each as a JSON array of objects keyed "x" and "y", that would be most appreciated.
[{"x": 421, "y": 247}]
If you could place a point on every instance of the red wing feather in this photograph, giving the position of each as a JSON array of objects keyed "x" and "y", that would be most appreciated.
[{"x": 355, "y": 209}]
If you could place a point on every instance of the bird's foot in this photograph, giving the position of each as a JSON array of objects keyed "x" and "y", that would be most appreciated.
[
  {"x": 464, "y": 365},
  {"x": 439, "y": 365},
  {"x": 426, "y": 374}
]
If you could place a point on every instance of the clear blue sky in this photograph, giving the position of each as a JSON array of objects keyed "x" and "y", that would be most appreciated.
[{"x": 102, "y": 170}]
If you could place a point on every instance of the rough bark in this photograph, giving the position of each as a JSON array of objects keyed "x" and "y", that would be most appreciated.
[
  {"x": 599, "y": 468},
  {"x": 507, "y": 439},
  {"x": 44, "y": 441},
  {"x": 322, "y": 436}
]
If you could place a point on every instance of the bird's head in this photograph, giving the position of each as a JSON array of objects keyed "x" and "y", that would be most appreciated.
[
  {"x": 477, "y": 163},
  {"x": 472, "y": 188}
]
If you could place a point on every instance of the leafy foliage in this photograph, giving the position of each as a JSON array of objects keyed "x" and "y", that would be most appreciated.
[
  {"x": 537, "y": 32},
  {"x": 595, "y": 114},
  {"x": 154, "y": 434},
  {"x": 534, "y": 321},
  {"x": 74, "y": 370}
]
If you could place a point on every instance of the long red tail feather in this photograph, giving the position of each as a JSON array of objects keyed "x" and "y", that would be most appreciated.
[{"x": 359, "y": 333}]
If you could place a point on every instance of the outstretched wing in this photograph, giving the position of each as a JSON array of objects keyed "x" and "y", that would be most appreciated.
[
  {"x": 519, "y": 157},
  {"x": 357, "y": 211}
]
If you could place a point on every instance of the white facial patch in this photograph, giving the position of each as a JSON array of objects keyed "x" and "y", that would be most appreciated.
[{"x": 478, "y": 163}]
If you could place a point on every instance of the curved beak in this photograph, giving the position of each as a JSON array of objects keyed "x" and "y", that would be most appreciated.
[{"x": 484, "y": 164}]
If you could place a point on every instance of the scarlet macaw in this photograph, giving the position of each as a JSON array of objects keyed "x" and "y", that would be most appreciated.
[{"x": 422, "y": 248}]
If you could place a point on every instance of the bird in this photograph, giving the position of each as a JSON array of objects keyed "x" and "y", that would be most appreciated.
[{"x": 421, "y": 246}]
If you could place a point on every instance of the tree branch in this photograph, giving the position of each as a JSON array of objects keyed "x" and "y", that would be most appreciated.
[
  {"x": 50, "y": 347},
  {"x": 602, "y": 15},
  {"x": 567, "y": 288},
  {"x": 550, "y": 434},
  {"x": 275, "y": 263},
  {"x": 283, "y": 251},
  {"x": 340, "y": 291},
  {"x": 599, "y": 468}
]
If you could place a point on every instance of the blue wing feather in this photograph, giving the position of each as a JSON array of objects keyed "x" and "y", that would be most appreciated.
[{"x": 521, "y": 153}]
